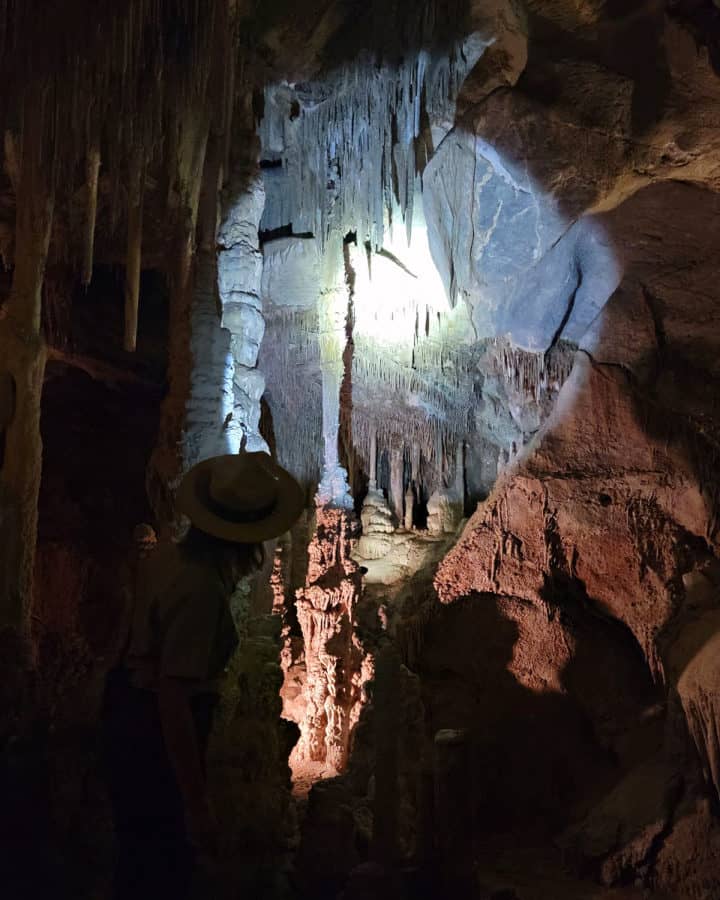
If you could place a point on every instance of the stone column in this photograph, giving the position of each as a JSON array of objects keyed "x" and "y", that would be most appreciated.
[
  {"x": 409, "y": 507},
  {"x": 22, "y": 357},
  {"x": 373, "y": 462},
  {"x": 334, "y": 301},
  {"x": 325, "y": 608},
  {"x": 227, "y": 326},
  {"x": 396, "y": 483},
  {"x": 239, "y": 280}
]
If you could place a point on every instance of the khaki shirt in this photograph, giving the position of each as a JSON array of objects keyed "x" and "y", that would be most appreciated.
[{"x": 181, "y": 625}]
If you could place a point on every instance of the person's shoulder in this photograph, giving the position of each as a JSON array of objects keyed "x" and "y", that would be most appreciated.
[{"x": 200, "y": 577}]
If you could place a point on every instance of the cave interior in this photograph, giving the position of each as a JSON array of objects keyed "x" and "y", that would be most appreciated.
[{"x": 453, "y": 264}]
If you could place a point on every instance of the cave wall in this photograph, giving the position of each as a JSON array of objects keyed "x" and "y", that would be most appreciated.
[
  {"x": 547, "y": 208},
  {"x": 492, "y": 284}
]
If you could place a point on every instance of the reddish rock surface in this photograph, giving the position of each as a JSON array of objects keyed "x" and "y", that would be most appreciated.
[
  {"x": 572, "y": 582},
  {"x": 333, "y": 655}
]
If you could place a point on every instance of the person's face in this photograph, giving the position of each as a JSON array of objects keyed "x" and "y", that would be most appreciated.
[{"x": 247, "y": 560}]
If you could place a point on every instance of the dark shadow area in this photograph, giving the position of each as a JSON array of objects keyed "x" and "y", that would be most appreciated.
[
  {"x": 534, "y": 756},
  {"x": 99, "y": 420},
  {"x": 628, "y": 42}
]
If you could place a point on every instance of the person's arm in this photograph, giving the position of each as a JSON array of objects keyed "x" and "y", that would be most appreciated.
[
  {"x": 184, "y": 662},
  {"x": 181, "y": 742}
]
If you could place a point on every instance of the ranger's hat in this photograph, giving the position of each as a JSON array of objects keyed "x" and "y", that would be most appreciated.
[{"x": 245, "y": 497}]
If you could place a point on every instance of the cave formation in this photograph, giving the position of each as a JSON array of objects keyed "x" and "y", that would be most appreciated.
[{"x": 453, "y": 264}]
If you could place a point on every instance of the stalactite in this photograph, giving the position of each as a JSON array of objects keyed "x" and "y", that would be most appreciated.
[
  {"x": 134, "y": 250},
  {"x": 292, "y": 345},
  {"x": 533, "y": 374},
  {"x": 23, "y": 356},
  {"x": 92, "y": 175},
  {"x": 12, "y": 161},
  {"x": 363, "y": 128},
  {"x": 145, "y": 65}
]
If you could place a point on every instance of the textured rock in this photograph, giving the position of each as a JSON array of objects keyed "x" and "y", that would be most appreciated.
[
  {"x": 333, "y": 654},
  {"x": 507, "y": 245},
  {"x": 689, "y": 859},
  {"x": 239, "y": 269},
  {"x": 248, "y": 328},
  {"x": 695, "y": 668},
  {"x": 609, "y": 511},
  {"x": 239, "y": 283},
  {"x": 291, "y": 272},
  {"x": 211, "y": 392},
  {"x": 621, "y": 834},
  {"x": 445, "y": 512},
  {"x": 377, "y": 526}
]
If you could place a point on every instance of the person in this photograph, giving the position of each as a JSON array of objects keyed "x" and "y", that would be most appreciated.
[{"x": 160, "y": 698}]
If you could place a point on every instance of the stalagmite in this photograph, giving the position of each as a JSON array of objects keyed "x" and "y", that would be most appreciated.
[
  {"x": 396, "y": 483},
  {"x": 134, "y": 250},
  {"x": 92, "y": 173},
  {"x": 326, "y": 609},
  {"x": 460, "y": 470},
  {"x": 409, "y": 508}
]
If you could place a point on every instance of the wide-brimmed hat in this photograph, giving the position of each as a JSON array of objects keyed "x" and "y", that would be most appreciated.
[{"x": 245, "y": 497}]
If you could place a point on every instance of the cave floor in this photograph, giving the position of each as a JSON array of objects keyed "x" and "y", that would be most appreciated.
[{"x": 516, "y": 871}]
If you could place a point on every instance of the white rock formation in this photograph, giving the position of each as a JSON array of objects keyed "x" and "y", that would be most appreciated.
[{"x": 240, "y": 266}]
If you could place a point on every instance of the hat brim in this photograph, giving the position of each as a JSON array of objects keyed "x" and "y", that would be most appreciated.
[{"x": 193, "y": 499}]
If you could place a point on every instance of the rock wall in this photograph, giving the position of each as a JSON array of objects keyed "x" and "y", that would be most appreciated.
[
  {"x": 607, "y": 519},
  {"x": 566, "y": 196}
]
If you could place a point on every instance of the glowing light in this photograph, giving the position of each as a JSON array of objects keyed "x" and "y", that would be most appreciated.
[{"x": 399, "y": 294}]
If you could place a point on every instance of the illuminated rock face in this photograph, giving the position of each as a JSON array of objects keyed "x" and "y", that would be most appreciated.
[
  {"x": 333, "y": 655},
  {"x": 609, "y": 524},
  {"x": 534, "y": 311},
  {"x": 223, "y": 410}
]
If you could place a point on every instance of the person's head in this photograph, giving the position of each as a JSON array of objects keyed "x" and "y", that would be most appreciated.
[
  {"x": 238, "y": 559},
  {"x": 237, "y": 502}
]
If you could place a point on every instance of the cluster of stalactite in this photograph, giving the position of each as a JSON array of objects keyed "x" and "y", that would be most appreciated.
[
  {"x": 112, "y": 114},
  {"x": 336, "y": 664},
  {"x": 107, "y": 104},
  {"x": 291, "y": 355},
  {"x": 350, "y": 153},
  {"x": 532, "y": 374}
]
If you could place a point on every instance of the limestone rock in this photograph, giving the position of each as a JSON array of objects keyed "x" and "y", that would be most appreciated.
[
  {"x": 509, "y": 242},
  {"x": 242, "y": 215},
  {"x": 239, "y": 269},
  {"x": 247, "y": 327},
  {"x": 618, "y": 838},
  {"x": 250, "y": 382},
  {"x": 688, "y": 863},
  {"x": 445, "y": 513},
  {"x": 291, "y": 272},
  {"x": 377, "y": 524}
]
